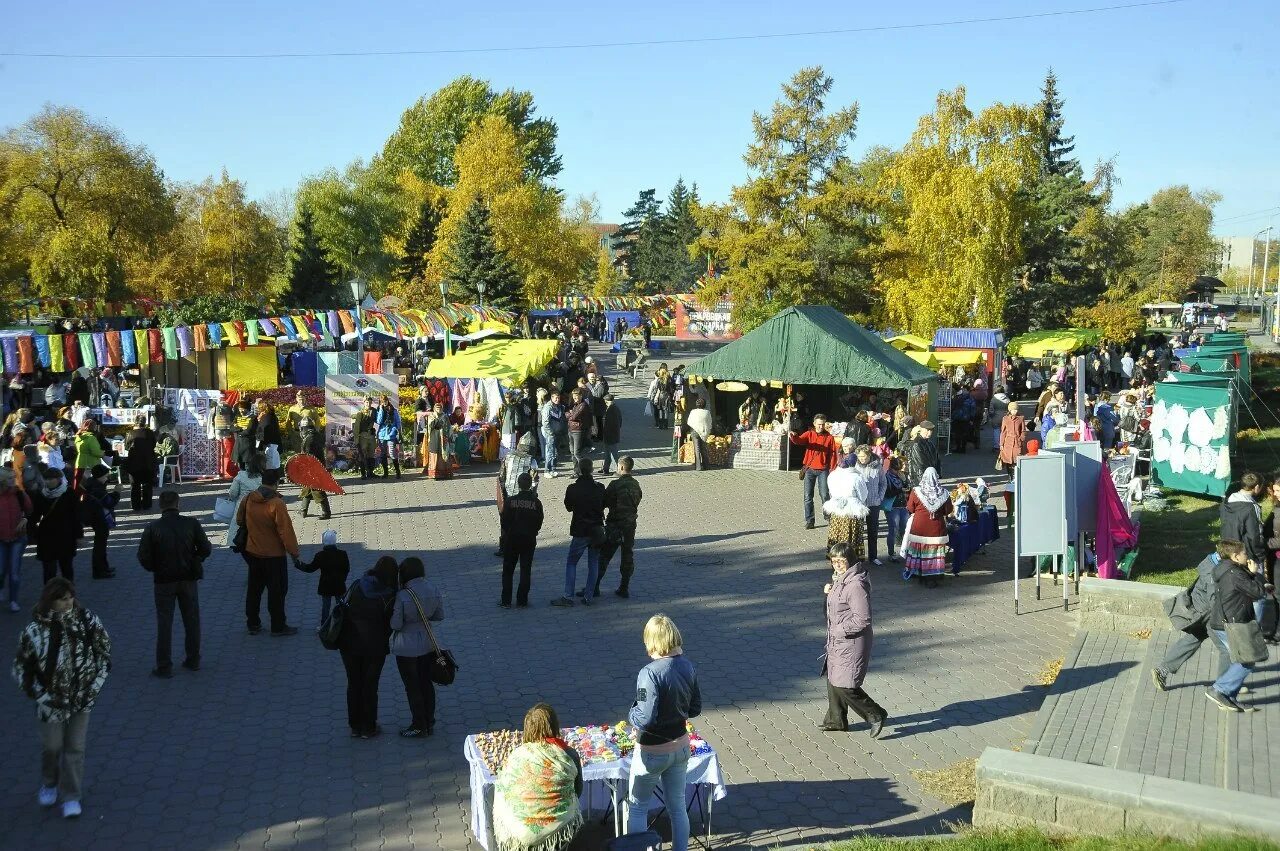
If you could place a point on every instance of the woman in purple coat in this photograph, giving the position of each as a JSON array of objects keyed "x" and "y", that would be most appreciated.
[{"x": 849, "y": 644}]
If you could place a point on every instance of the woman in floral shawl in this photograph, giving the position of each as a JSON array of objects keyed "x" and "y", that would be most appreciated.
[
  {"x": 925, "y": 544},
  {"x": 535, "y": 805}
]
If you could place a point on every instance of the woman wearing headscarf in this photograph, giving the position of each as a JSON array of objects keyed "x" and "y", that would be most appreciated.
[
  {"x": 417, "y": 602},
  {"x": 925, "y": 545},
  {"x": 56, "y": 526},
  {"x": 63, "y": 658},
  {"x": 269, "y": 435},
  {"x": 15, "y": 509},
  {"x": 366, "y": 630},
  {"x": 847, "y": 505},
  {"x": 535, "y": 800},
  {"x": 849, "y": 636},
  {"x": 246, "y": 445},
  {"x": 438, "y": 447},
  {"x": 1013, "y": 429}
]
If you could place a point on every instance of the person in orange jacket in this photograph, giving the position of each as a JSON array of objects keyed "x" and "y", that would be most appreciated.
[{"x": 270, "y": 537}]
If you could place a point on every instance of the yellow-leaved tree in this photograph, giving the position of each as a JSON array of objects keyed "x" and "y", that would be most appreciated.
[
  {"x": 548, "y": 246},
  {"x": 954, "y": 208}
]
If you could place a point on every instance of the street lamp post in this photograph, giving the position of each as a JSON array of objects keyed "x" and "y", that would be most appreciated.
[
  {"x": 480, "y": 288},
  {"x": 444, "y": 301},
  {"x": 359, "y": 289}
]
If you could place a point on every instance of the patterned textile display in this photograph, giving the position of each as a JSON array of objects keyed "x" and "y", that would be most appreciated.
[
  {"x": 926, "y": 557},
  {"x": 194, "y": 411}
]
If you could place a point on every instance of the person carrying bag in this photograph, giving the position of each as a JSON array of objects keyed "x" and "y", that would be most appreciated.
[{"x": 1239, "y": 585}]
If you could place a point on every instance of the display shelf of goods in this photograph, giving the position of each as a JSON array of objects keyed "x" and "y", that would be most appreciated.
[
  {"x": 718, "y": 451},
  {"x": 757, "y": 450}
]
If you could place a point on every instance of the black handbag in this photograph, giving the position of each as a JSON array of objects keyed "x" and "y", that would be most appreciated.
[
  {"x": 443, "y": 667},
  {"x": 1245, "y": 643},
  {"x": 241, "y": 540},
  {"x": 331, "y": 629}
]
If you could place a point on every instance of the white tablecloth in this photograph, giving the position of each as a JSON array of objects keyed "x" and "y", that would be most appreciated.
[{"x": 704, "y": 769}]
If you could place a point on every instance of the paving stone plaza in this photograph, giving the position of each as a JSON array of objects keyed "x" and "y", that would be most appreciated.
[{"x": 253, "y": 750}]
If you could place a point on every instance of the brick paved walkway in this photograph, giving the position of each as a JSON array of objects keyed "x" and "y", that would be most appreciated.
[{"x": 253, "y": 751}]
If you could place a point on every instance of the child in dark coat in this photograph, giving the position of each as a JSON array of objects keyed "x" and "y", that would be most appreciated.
[{"x": 334, "y": 566}]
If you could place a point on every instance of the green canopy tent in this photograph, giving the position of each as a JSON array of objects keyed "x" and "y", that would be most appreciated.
[
  {"x": 1226, "y": 338},
  {"x": 1239, "y": 354},
  {"x": 1193, "y": 459},
  {"x": 818, "y": 345}
]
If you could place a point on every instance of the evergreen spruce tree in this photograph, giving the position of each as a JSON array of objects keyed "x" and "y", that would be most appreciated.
[
  {"x": 1056, "y": 148},
  {"x": 677, "y": 271},
  {"x": 412, "y": 266},
  {"x": 474, "y": 257},
  {"x": 313, "y": 279},
  {"x": 637, "y": 241}
]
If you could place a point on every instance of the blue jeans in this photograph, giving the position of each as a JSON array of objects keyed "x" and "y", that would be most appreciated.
[
  {"x": 896, "y": 520},
  {"x": 577, "y": 546},
  {"x": 647, "y": 771},
  {"x": 1229, "y": 683},
  {"x": 610, "y": 456},
  {"x": 812, "y": 477},
  {"x": 11, "y": 565},
  {"x": 548, "y": 450}
]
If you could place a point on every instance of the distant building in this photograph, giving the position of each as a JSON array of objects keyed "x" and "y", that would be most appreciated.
[
  {"x": 1239, "y": 252},
  {"x": 604, "y": 233}
]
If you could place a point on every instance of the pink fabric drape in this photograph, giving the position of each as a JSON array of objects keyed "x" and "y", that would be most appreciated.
[{"x": 1116, "y": 529}]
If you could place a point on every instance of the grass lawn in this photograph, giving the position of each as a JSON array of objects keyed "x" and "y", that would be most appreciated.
[
  {"x": 1034, "y": 840},
  {"x": 1174, "y": 541}
]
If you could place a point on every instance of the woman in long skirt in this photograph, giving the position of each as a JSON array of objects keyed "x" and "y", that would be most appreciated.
[
  {"x": 438, "y": 445},
  {"x": 847, "y": 505},
  {"x": 849, "y": 644},
  {"x": 925, "y": 545}
]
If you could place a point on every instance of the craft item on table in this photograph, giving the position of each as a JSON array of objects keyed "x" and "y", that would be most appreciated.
[
  {"x": 593, "y": 743},
  {"x": 307, "y": 471},
  {"x": 1223, "y": 470},
  {"x": 495, "y": 747},
  {"x": 1177, "y": 457}
]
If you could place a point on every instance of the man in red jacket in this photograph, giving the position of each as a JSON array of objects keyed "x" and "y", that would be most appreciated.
[{"x": 819, "y": 459}]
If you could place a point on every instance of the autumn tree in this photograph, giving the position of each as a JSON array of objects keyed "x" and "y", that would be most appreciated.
[
  {"x": 1172, "y": 241},
  {"x": 955, "y": 206},
  {"x": 475, "y": 259},
  {"x": 607, "y": 280},
  {"x": 791, "y": 234},
  {"x": 353, "y": 210},
  {"x": 77, "y": 199},
  {"x": 430, "y": 131}
]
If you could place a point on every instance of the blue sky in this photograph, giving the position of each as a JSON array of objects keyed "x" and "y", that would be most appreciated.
[{"x": 1174, "y": 93}]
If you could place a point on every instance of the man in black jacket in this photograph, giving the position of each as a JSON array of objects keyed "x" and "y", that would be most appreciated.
[
  {"x": 622, "y": 498},
  {"x": 1242, "y": 518},
  {"x": 521, "y": 522},
  {"x": 611, "y": 432},
  {"x": 173, "y": 549},
  {"x": 585, "y": 500}
]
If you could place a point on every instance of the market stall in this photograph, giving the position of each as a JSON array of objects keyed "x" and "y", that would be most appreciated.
[
  {"x": 925, "y": 359},
  {"x": 606, "y": 754},
  {"x": 818, "y": 353},
  {"x": 1191, "y": 437},
  {"x": 988, "y": 342},
  {"x": 909, "y": 343},
  {"x": 611, "y": 317}
]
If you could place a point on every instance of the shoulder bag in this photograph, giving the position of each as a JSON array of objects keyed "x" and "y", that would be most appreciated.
[
  {"x": 443, "y": 666},
  {"x": 1245, "y": 643},
  {"x": 331, "y": 629},
  {"x": 1181, "y": 613}
]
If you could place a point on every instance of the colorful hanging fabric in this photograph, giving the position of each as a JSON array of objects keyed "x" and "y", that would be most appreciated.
[
  {"x": 252, "y": 329},
  {"x": 372, "y": 363},
  {"x": 300, "y": 326},
  {"x": 201, "y": 335},
  {"x": 155, "y": 345},
  {"x": 113, "y": 349},
  {"x": 266, "y": 328},
  {"x": 241, "y": 330},
  {"x": 10, "y": 346},
  {"x": 215, "y": 335},
  {"x": 86, "y": 350},
  {"x": 185, "y": 343},
  {"x": 128, "y": 348},
  {"x": 289, "y": 331},
  {"x": 335, "y": 327},
  {"x": 26, "y": 355},
  {"x": 100, "y": 348},
  {"x": 44, "y": 353},
  {"x": 170, "y": 343},
  {"x": 70, "y": 352},
  {"x": 344, "y": 316},
  {"x": 142, "y": 342}
]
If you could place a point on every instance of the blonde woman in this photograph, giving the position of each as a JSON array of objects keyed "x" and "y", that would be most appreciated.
[{"x": 667, "y": 696}]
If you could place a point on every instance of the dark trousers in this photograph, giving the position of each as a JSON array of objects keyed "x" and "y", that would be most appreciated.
[
  {"x": 140, "y": 492},
  {"x": 599, "y": 434},
  {"x": 699, "y": 451},
  {"x": 418, "y": 688},
  {"x": 517, "y": 548},
  {"x": 841, "y": 700},
  {"x": 627, "y": 565},
  {"x": 270, "y": 575},
  {"x": 576, "y": 443},
  {"x": 99, "y": 564},
  {"x": 363, "y": 673},
  {"x": 813, "y": 477},
  {"x": 62, "y": 564},
  {"x": 187, "y": 597},
  {"x": 1182, "y": 648},
  {"x": 873, "y": 532}
]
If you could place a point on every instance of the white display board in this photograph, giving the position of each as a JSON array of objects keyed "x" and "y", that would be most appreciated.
[
  {"x": 1084, "y": 466},
  {"x": 1040, "y": 505}
]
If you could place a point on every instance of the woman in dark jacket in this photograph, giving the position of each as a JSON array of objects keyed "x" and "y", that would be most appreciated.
[
  {"x": 56, "y": 527},
  {"x": 246, "y": 446},
  {"x": 412, "y": 645},
  {"x": 140, "y": 464},
  {"x": 97, "y": 508},
  {"x": 1238, "y": 584},
  {"x": 366, "y": 630}
]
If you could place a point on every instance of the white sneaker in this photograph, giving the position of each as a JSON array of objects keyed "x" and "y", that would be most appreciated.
[
  {"x": 14, "y": 607},
  {"x": 876, "y": 561},
  {"x": 48, "y": 796},
  {"x": 70, "y": 809}
]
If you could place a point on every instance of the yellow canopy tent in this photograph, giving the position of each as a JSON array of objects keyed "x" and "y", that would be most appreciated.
[
  {"x": 958, "y": 357},
  {"x": 1039, "y": 344},
  {"x": 509, "y": 361},
  {"x": 909, "y": 343},
  {"x": 488, "y": 325},
  {"x": 929, "y": 359}
]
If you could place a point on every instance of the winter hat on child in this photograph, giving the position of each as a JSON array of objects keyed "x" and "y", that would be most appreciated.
[{"x": 330, "y": 537}]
